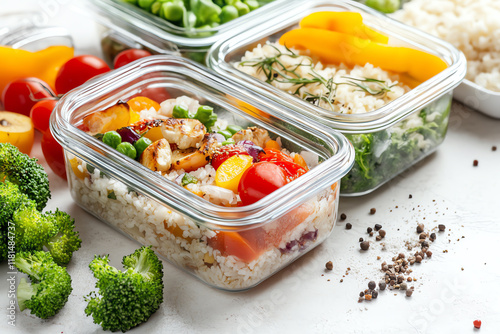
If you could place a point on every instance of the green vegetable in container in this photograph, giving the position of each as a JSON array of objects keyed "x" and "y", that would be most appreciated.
[
  {"x": 228, "y": 13},
  {"x": 384, "y": 6}
]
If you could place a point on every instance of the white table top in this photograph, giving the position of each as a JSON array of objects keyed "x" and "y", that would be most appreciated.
[{"x": 453, "y": 288}]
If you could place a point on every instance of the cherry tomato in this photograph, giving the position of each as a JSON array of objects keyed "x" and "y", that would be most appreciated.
[
  {"x": 77, "y": 71},
  {"x": 21, "y": 95},
  {"x": 258, "y": 181},
  {"x": 127, "y": 56},
  {"x": 273, "y": 155},
  {"x": 292, "y": 170},
  {"x": 226, "y": 152},
  {"x": 54, "y": 154},
  {"x": 40, "y": 113}
]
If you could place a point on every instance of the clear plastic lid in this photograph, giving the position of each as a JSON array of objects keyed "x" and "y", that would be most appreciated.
[
  {"x": 178, "y": 74},
  {"x": 225, "y": 53}
]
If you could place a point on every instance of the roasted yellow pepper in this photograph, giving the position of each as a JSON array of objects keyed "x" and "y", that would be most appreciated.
[
  {"x": 43, "y": 64},
  {"x": 350, "y": 23},
  {"x": 333, "y": 47}
]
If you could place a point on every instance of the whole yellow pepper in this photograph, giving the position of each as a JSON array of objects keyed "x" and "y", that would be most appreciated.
[{"x": 44, "y": 64}]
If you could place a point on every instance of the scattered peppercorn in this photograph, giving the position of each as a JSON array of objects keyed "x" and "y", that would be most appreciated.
[
  {"x": 343, "y": 216},
  {"x": 403, "y": 286},
  {"x": 420, "y": 228},
  {"x": 477, "y": 324},
  {"x": 425, "y": 244},
  {"x": 410, "y": 196},
  {"x": 378, "y": 227},
  {"x": 378, "y": 238},
  {"x": 381, "y": 285},
  {"x": 409, "y": 279},
  {"x": 372, "y": 211},
  {"x": 382, "y": 233},
  {"x": 360, "y": 239},
  {"x": 374, "y": 294},
  {"x": 364, "y": 245},
  {"x": 432, "y": 236},
  {"x": 429, "y": 254},
  {"x": 329, "y": 265},
  {"x": 409, "y": 293},
  {"x": 369, "y": 230},
  {"x": 372, "y": 285},
  {"x": 371, "y": 234},
  {"x": 348, "y": 226},
  {"x": 422, "y": 236},
  {"x": 493, "y": 148},
  {"x": 475, "y": 163},
  {"x": 441, "y": 227},
  {"x": 418, "y": 259},
  {"x": 361, "y": 294}
]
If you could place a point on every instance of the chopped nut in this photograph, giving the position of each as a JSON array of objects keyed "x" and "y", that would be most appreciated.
[
  {"x": 348, "y": 226},
  {"x": 372, "y": 211},
  {"x": 409, "y": 292},
  {"x": 365, "y": 245},
  {"x": 420, "y": 228},
  {"x": 382, "y": 233},
  {"x": 329, "y": 265}
]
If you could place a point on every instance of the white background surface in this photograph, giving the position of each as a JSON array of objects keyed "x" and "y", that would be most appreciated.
[{"x": 446, "y": 189}]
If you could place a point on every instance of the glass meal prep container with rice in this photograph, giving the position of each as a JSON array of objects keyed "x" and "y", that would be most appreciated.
[
  {"x": 386, "y": 86},
  {"x": 230, "y": 187},
  {"x": 132, "y": 22}
]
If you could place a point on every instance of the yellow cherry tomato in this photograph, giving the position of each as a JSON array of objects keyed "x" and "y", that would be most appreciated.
[
  {"x": 18, "y": 130},
  {"x": 229, "y": 173}
]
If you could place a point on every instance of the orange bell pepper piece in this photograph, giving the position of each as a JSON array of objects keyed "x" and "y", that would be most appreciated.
[
  {"x": 43, "y": 64},
  {"x": 350, "y": 23},
  {"x": 334, "y": 48}
]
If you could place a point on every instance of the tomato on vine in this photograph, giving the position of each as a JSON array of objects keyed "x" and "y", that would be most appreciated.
[
  {"x": 21, "y": 95},
  {"x": 77, "y": 71}
]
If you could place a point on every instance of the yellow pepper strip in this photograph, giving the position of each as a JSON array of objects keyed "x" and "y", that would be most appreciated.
[
  {"x": 43, "y": 64},
  {"x": 334, "y": 48},
  {"x": 350, "y": 23}
]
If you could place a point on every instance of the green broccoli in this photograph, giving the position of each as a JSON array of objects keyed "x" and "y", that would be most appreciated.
[
  {"x": 126, "y": 299},
  {"x": 11, "y": 199},
  {"x": 50, "y": 284},
  {"x": 55, "y": 231},
  {"x": 24, "y": 171},
  {"x": 66, "y": 241}
]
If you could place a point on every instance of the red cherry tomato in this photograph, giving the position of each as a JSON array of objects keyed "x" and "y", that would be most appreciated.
[
  {"x": 77, "y": 71},
  {"x": 273, "y": 155},
  {"x": 258, "y": 181},
  {"x": 127, "y": 56},
  {"x": 54, "y": 154},
  {"x": 292, "y": 170},
  {"x": 40, "y": 114},
  {"x": 226, "y": 152},
  {"x": 21, "y": 95}
]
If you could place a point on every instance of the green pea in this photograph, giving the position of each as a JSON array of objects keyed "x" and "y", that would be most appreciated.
[
  {"x": 155, "y": 8},
  {"x": 145, "y": 4},
  {"x": 112, "y": 138},
  {"x": 234, "y": 128},
  {"x": 127, "y": 149},
  {"x": 230, "y": 141},
  {"x": 225, "y": 133},
  {"x": 228, "y": 13},
  {"x": 242, "y": 8},
  {"x": 180, "y": 112},
  {"x": 252, "y": 4},
  {"x": 141, "y": 144},
  {"x": 172, "y": 11},
  {"x": 203, "y": 113}
]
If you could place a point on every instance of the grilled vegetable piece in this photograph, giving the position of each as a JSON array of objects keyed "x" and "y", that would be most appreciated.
[
  {"x": 157, "y": 156},
  {"x": 126, "y": 299},
  {"x": 24, "y": 171},
  {"x": 50, "y": 284},
  {"x": 183, "y": 132}
]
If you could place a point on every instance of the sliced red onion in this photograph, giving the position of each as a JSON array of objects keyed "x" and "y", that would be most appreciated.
[
  {"x": 252, "y": 149},
  {"x": 220, "y": 138},
  {"x": 128, "y": 135},
  {"x": 178, "y": 179}
]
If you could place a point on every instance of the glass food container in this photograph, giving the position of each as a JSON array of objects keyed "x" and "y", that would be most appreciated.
[
  {"x": 120, "y": 16},
  {"x": 231, "y": 248},
  {"x": 387, "y": 140}
]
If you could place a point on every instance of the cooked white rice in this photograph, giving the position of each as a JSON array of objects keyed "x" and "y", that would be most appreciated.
[
  {"x": 152, "y": 223},
  {"x": 473, "y": 26},
  {"x": 348, "y": 98}
]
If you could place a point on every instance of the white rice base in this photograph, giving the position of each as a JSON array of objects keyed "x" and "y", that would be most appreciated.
[{"x": 472, "y": 26}]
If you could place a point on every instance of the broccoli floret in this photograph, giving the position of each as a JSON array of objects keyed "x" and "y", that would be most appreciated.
[
  {"x": 126, "y": 299},
  {"x": 33, "y": 228},
  {"x": 50, "y": 284},
  {"x": 11, "y": 199},
  {"x": 24, "y": 171},
  {"x": 66, "y": 241},
  {"x": 54, "y": 230}
]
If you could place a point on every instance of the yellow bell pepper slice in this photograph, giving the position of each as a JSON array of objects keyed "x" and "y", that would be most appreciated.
[
  {"x": 334, "y": 48},
  {"x": 43, "y": 64},
  {"x": 350, "y": 23}
]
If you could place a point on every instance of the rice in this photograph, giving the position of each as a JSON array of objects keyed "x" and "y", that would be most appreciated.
[
  {"x": 346, "y": 96},
  {"x": 472, "y": 26},
  {"x": 186, "y": 244}
]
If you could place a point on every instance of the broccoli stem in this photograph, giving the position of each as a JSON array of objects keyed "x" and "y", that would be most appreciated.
[{"x": 25, "y": 291}]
